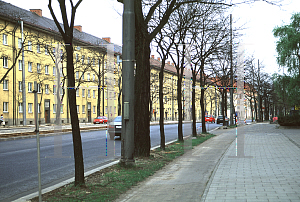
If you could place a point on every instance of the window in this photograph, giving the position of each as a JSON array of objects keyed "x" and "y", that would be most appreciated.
[
  {"x": 61, "y": 108},
  {"x": 38, "y": 68},
  {"x": 20, "y": 65},
  {"x": 19, "y": 43},
  {"x": 29, "y": 45},
  {"x": 82, "y": 59},
  {"x": 83, "y": 109},
  {"x": 46, "y": 69},
  {"x": 62, "y": 90},
  {"x": 54, "y": 71},
  {"x": 89, "y": 93},
  {"x": 29, "y": 87},
  {"x": 83, "y": 92},
  {"x": 20, "y": 86},
  {"x": 46, "y": 49},
  {"x": 54, "y": 108},
  {"x": 4, "y": 62},
  {"x": 77, "y": 74},
  {"x": 47, "y": 88},
  {"x": 82, "y": 77},
  {"x": 30, "y": 66},
  {"x": 4, "y": 39},
  {"x": 94, "y": 93},
  {"x": 39, "y": 108},
  {"x": 94, "y": 61},
  {"x": 30, "y": 107},
  {"x": 5, "y": 85},
  {"x": 5, "y": 106},
  {"x": 77, "y": 57},
  {"x": 38, "y": 48},
  {"x": 93, "y": 77},
  {"x": 88, "y": 76},
  {"x": 39, "y": 88},
  {"x": 88, "y": 60},
  {"x": 20, "y": 107},
  {"x": 77, "y": 106},
  {"x": 77, "y": 92},
  {"x": 54, "y": 89}
]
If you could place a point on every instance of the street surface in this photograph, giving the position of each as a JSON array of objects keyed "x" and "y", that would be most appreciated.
[{"x": 18, "y": 158}]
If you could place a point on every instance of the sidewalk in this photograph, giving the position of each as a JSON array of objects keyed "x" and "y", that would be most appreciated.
[{"x": 269, "y": 169}]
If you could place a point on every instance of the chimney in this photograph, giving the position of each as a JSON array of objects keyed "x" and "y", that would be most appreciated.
[
  {"x": 169, "y": 62},
  {"x": 158, "y": 58},
  {"x": 37, "y": 11},
  {"x": 78, "y": 27},
  {"x": 152, "y": 56},
  {"x": 106, "y": 39}
]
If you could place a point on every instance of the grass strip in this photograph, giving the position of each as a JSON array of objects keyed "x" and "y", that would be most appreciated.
[{"x": 109, "y": 183}]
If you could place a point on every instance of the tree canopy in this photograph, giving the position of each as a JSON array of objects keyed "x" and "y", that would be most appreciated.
[{"x": 288, "y": 44}]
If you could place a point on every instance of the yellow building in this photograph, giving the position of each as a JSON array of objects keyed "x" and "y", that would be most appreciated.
[{"x": 96, "y": 70}]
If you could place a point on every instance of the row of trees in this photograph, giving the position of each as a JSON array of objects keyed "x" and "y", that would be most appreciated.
[{"x": 151, "y": 17}]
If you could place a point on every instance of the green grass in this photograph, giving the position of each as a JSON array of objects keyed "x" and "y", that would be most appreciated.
[{"x": 108, "y": 184}]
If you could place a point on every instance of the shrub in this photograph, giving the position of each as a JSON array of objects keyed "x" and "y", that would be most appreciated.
[{"x": 290, "y": 120}]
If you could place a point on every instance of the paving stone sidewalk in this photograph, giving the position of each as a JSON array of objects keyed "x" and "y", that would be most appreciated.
[
  {"x": 211, "y": 172},
  {"x": 272, "y": 174}
]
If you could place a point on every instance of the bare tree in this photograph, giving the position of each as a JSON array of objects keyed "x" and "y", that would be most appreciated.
[{"x": 67, "y": 35}]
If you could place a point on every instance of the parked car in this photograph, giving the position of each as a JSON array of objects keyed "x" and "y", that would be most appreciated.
[
  {"x": 100, "y": 119},
  {"x": 210, "y": 118},
  {"x": 115, "y": 127},
  {"x": 220, "y": 119}
]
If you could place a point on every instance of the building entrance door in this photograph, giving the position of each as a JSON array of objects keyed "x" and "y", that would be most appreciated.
[
  {"x": 47, "y": 111},
  {"x": 89, "y": 112}
]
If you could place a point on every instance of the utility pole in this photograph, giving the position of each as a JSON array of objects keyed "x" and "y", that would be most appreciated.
[
  {"x": 127, "y": 138},
  {"x": 23, "y": 78},
  {"x": 231, "y": 76}
]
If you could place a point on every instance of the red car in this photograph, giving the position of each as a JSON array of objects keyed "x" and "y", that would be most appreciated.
[
  {"x": 100, "y": 119},
  {"x": 210, "y": 118}
]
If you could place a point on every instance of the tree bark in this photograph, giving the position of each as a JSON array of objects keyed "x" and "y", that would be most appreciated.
[
  {"x": 161, "y": 110},
  {"x": 194, "y": 105},
  {"x": 142, "y": 92}
]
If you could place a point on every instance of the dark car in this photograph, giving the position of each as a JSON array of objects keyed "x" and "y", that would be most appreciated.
[
  {"x": 100, "y": 119},
  {"x": 115, "y": 127},
  {"x": 210, "y": 118},
  {"x": 220, "y": 119}
]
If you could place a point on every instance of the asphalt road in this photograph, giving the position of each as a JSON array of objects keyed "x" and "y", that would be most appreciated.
[{"x": 18, "y": 158}]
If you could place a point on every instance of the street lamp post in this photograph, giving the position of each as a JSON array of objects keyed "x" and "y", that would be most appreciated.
[{"x": 127, "y": 142}]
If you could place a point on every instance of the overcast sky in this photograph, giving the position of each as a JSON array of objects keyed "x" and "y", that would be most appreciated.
[{"x": 102, "y": 18}]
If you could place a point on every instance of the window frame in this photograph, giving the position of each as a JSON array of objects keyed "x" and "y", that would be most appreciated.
[
  {"x": 5, "y": 61},
  {"x": 4, "y": 38},
  {"x": 46, "y": 69},
  {"x": 5, "y": 106},
  {"x": 5, "y": 85},
  {"x": 30, "y": 105}
]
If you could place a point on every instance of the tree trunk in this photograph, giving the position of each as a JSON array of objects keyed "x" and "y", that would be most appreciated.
[
  {"x": 161, "y": 110},
  {"x": 77, "y": 144},
  {"x": 202, "y": 101},
  {"x": 255, "y": 107},
  {"x": 142, "y": 89},
  {"x": 179, "y": 103},
  {"x": 194, "y": 105}
]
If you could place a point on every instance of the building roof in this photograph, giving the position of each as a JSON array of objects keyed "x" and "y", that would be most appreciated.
[{"x": 9, "y": 11}]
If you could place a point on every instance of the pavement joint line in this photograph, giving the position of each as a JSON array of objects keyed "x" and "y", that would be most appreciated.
[
  {"x": 213, "y": 173},
  {"x": 51, "y": 188}
]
